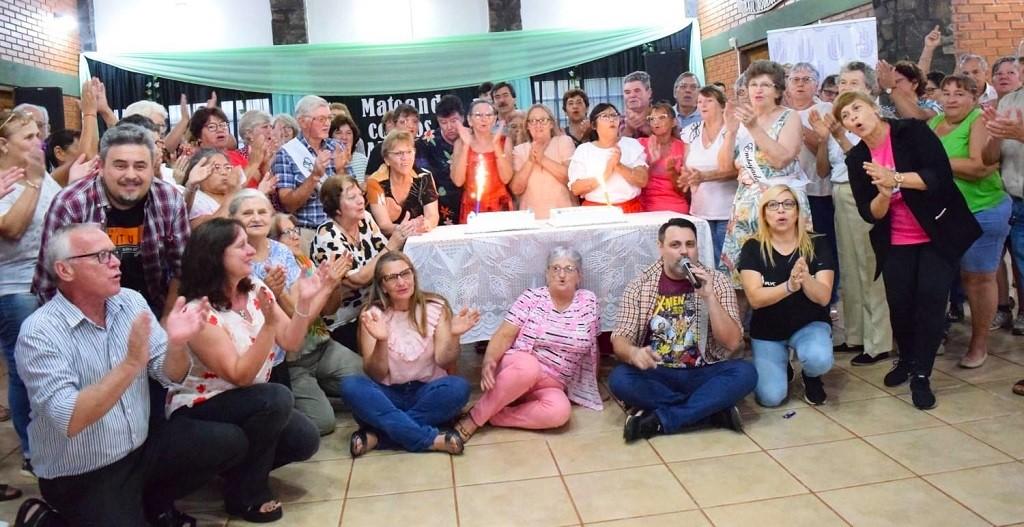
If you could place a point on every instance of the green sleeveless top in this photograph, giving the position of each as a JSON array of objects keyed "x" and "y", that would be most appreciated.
[{"x": 980, "y": 194}]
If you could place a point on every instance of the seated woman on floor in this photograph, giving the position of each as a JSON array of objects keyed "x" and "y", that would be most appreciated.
[
  {"x": 407, "y": 337},
  {"x": 543, "y": 356}
]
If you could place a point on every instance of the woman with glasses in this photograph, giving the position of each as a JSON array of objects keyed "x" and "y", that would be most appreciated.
[
  {"x": 283, "y": 229},
  {"x": 765, "y": 139},
  {"x": 903, "y": 183},
  {"x": 209, "y": 182},
  {"x": 397, "y": 191},
  {"x": 26, "y": 192},
  {"x": 542, "y": 165},
  {"x": 407, "y": 336},
  {"x": 608, "y": 169},
  {"x": 481, "y": 163},
  {"x": 665, "y": 154},
  {"x": 787, "y": 276},
  {"x": 544, "y": 355}
]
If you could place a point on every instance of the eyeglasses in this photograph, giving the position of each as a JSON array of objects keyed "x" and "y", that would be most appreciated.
[
  {"x": 535, "y": 122},
  {"x": 686, "y": 86},
  {"x": 802, "y": 79},
  {"x": 610, "y": 117},
  {"x": 293, "y": 232},
  {"x": 653, "y": 118},
  {"x": 559, "y": 269},
  {"x": 762, "y": 85},
  {"x": 102, "y": 257},
  {"x": 404, "y": 275},
  {"x": 786, "y": 204},
  {"x": 481, "y": 115},
  {"x": 321, "y": 119},
  {"x": 214, "y": 127},
  {"x": 402, "y": 153}
]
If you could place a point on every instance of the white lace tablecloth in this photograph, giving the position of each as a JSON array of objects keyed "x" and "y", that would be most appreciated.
[{"x": 488, "y": 271}]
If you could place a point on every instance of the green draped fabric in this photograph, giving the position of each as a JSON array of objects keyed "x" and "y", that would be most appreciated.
[{"x": 365, "y": 69}]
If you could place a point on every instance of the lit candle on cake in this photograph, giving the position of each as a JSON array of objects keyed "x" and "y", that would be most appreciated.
[{"x": 480, "y": 179}]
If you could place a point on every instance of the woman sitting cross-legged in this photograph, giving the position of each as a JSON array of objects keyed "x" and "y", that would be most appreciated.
[
  {"x": 232, "y": 358},
  {"x": 406, "y": 336},
  {"x": 787, "y": 276},
  {"x": 543, "y": 356}
]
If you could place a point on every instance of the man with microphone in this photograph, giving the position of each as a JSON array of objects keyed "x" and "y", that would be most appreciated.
[{"x": 676, "y": 332}]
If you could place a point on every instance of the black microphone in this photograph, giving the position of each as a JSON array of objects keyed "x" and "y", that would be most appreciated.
[{"x": 686, "y": 268}]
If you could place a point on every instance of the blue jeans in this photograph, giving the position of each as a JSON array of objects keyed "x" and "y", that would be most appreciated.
[
  {"x": 405, "y": 414},
  {"x": 683, "y": 396},
  {"x": 718, "y": 238},
  {"x": 1017, "y": 233},
  {"x": 813, "y": 345},
  {"x": 14, "y": 309}
]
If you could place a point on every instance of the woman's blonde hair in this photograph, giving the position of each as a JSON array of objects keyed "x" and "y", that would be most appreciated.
[
  {"x": 555, "y": 129},
  {"x": 848, "y": 98},
  {"x": 418, "y": 303},
  {"x": 805, "y": 245}
]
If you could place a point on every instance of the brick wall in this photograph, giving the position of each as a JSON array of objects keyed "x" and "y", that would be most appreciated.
[
  {"x": 716, "y": 16},
  {"x": 25, "y": 38},
  {"x": 990, "y": 28}
]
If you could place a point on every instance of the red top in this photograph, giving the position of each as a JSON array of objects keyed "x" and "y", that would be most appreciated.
[{"x": 495, "y": 196}]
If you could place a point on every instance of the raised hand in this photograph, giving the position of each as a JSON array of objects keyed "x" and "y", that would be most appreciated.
[
  {"x": 465, "y": 135},
  {"x": 275, "y": 279},
  {"x": 732, "y": 122},
  {"x": 88, "y": 100},
  {"x": 464, "y": 321},
  {"x": 373, "y": 320},
  {"x": 342, "y": 157},
  {"x": 8, "y": 177},
  {"x": 745, "y": 115},
  {"x": 1009, "y": 125},
  {"x": 834, "y": 126},
  {"x": 138, "y": 342},
  {"x": 212, "y": 101},
  {"x": 186, "y": 114},
  {"x": 311, "y": 281},
  {"x": 267, "y": 306},
  {"x": 200, "y": 172},
  {"x": 818, "y": 125},
  {"x": 320, "y": 165},
  {"x": 268, "y": 183},
  {"x": 82, "y": 168},
  {"x": 99, "y": 91},
  {"x": 339, "y": 266},
  {"x": 614, "y": 157},
  {"x": 886, "y": 75},
  {"x": 186, "y": 320},
  {"x": 179, "y": 168},
  {"x": 933, "y": 39}
]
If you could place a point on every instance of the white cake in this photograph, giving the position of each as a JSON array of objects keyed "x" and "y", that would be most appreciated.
[
  {"x": 577, "y": 216},
  {"x": 501, "y": 221}
]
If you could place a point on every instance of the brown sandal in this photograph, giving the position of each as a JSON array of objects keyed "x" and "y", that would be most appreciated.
[
  {"x": 461, "y": 429},
  {"x": 1019, "y": 387}
]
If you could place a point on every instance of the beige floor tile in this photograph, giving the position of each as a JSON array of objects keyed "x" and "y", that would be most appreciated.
[
  {"x": 839, "y": 464},
  {"x": 316, "y": 514},
  {"x": 626, "y": 493},
  {"x": 586, "y": 421},
  {"x": 875, "y": 375},
  {"x": 1010, "y": 351},
  {"x": 504, "y": 462},
  {"x": 994, "y": 369},
  {"x": 1003, "y": 433},
  {"x": 303, "y": 482},
  {"x": 606, "y": 451},
  {"x": 794, "y": 511},
  {"x": 908, "y": 502},
  {"x": 934, "y": 450},
  {"x": 993, "y": 492},
  {"x": 711, "y": 442},
  {"x": 1004, "y": 390},
  {"x": 749, "y": 406},
  {"x": 842, "y": 386},
  {"x": 495, "y": 434},
  {"x": 735, "y": 479},
  {"x": 879, "y": 416},
  {"x": 432, "y": 508},
  {"x": 407, "y": 472},
  {"x": 334, "y": 446},
  {"x": 771, "y": 430},
  {"x": 969, "y": 403},
  {"x": 209, "y": 519},
  {"x": 535, "y": 502},
  {"x": 675, "y": 519}
]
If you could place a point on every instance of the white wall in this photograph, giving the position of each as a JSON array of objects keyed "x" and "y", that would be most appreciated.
[
  {"x": 598, "y": 14},
  {"x": 391, "y": 21},
  {"x": 124, "y": 26}
]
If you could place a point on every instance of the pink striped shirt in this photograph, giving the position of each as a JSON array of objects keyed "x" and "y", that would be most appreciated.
[{"x": 564, "y": 342}]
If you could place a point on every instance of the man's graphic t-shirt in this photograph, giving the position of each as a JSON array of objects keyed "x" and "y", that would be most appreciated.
[
  {"x": 125, "y": 229},
  {"x": 674, "y": 329}
]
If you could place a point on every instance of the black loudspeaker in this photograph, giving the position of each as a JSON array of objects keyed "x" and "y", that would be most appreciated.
[
  {"x": 50, "y": 98},
  {"x": 664, "y": 67}
]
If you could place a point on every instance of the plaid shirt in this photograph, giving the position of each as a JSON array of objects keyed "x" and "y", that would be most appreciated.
[
  {"x": 310, "y": 215},
  {"x": 165, "y": 232},
  {"x": 640, "y": 299}
]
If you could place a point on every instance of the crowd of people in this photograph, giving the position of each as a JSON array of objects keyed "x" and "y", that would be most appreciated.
[{"x": 175, "y": 308}]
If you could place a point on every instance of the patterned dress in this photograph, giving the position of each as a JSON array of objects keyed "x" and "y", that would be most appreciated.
[
  {"x": 329, "y": 241},
  {"x": 745, "y": 211}
]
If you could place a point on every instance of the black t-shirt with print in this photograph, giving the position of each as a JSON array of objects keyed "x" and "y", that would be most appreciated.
[
  {"x": 125, "y": 229},
  {"x": 781, "y": 320}
]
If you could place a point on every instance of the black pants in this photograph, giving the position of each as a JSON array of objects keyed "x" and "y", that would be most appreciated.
[
  {"x": 275, "y": 433},
  {"x": 917, "y": 282},
  {"x": 176, "y": 459}
]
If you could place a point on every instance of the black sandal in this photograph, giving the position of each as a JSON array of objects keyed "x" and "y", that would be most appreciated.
[
  {"x": 253, "y": 514},
  {"x": 453, "y": 443},
  {"x": 8, "y": 492},
  {"x": 363, "y": 437},
  {"x": 461, "y": 430}
]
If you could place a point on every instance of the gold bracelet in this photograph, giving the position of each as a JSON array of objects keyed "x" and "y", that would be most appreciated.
[{"x": 299, "y": 313}]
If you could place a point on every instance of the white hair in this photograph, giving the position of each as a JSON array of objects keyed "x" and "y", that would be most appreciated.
[
  {"x": 809, "y": 68},
  {"x": 26, "y": 107},
  {"x": 243, "y": 195},
  {"x": 563, "y": 251},
  {"x": 58, "y": 247},
  {"x": 964, "y": 59},
  {"x": 251, "y": 120},
  {"x": 146, "y": 109},
  {"x": 307, "y": 104}
]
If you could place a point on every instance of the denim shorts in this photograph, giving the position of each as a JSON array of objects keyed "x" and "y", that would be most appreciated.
[{"x": 983, "y": 256}]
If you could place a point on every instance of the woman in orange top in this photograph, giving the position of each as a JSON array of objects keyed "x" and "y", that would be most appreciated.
[{"x": 478, "y": 149}]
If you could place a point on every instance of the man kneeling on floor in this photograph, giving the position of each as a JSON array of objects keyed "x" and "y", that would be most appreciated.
[{"x": 677, "y": 327}]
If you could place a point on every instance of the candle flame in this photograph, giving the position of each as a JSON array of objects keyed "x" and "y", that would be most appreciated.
[{"x": 480, "y": 178}]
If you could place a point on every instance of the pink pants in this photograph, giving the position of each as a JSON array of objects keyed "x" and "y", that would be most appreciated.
[{"x": 523, "y": 396}]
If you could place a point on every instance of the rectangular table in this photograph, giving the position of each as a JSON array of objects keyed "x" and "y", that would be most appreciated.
[{"x": 488, "y": 271}]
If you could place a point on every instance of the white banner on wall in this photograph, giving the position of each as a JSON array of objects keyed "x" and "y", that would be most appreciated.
[{"x": 826, "y": 46}]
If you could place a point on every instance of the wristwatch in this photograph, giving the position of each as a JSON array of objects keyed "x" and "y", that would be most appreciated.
[{"x": 898, "y": 178}]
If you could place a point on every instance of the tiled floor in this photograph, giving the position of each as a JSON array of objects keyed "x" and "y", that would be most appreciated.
[{"x": 866, "y": 458}]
